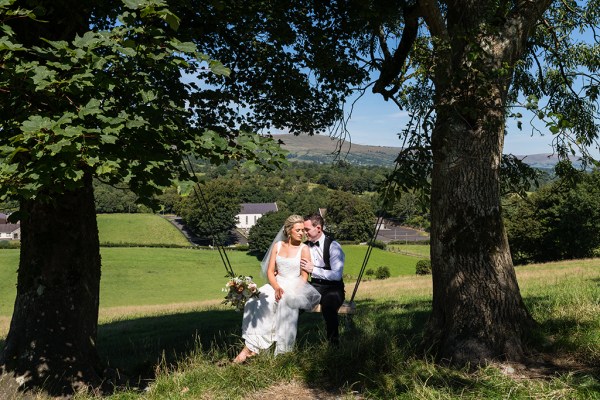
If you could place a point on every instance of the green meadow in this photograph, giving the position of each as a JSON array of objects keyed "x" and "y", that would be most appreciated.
[
  {"x": 138, "y": 229},
  {"x": 148, "y": 276},
  {"x": 163, "y": 329}
]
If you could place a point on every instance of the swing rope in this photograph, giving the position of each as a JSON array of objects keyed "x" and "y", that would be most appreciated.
[
  {"x": 202, "y": 201},
  {"x": 201, "y": 198},
  {"x": 367, "y": 256},
  {"x": 376, "y": 230}
]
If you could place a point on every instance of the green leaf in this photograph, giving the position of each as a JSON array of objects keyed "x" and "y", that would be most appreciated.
[
  {"x": 89, "y": 39},
  {"x": 108, "y": 167},
  {"x": 6, "y": 44},
  {"x": 137, "y": 123},
  {"x": 15, "y": 152},
  {"x": 43, "y": 77},
  {"x": 109, "y": 139},
  {"x": 36, "y": 123},
  {"x": 133, "y": 4},
  {"x": 218, "y": 68},
  {"x": 171, "y": 19},
  {"x": 91, "y": 161},
  {"x": 148, "y": 96},
  {"x": 57, "y": 147},
  {"x": 185, "y": 188},
  {"x": 74, "y": 174},
  {"x": 185, "y": 47},
  {"x": 92, "y": 107}
]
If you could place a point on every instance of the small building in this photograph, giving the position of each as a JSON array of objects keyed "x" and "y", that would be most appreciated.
[
  {"x": 10, "y": 231},
  {"x": 251, "y": 212},
  {"x": 3, "y": 218}
]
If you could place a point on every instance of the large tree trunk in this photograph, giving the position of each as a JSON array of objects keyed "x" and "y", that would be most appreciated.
[
  {"x": 52, "y": 337},
  {"x": 478, "y": 313}
]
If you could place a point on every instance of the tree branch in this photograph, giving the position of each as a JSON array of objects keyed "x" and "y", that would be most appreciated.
[
  {"x": 392, "y": 65},
  {"x": 433, "y": 18}
]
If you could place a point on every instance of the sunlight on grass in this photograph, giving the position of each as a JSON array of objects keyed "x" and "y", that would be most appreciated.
[
  {"x": 162, "y": 325},
  {"x": 419, "y": 250},
  {"x": 141, "y": 229}
]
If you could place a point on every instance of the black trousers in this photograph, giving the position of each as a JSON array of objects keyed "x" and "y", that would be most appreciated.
[{"x": 332, "y": 297}]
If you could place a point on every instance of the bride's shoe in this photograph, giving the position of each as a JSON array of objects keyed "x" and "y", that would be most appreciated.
[{"x": 243, "y": 356}]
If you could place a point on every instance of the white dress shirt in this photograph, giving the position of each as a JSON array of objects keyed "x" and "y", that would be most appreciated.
[{"x": 336, "y": 261}]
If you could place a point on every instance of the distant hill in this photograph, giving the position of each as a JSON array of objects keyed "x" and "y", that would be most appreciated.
[
  {"x": 544, "y": 161},
  {"x": 322, "y": 148}
]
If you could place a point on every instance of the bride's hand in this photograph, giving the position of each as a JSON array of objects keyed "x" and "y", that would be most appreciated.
[{"x": 278, "y": 293}]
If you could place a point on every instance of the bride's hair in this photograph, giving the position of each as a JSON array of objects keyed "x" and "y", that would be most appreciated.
[{"x": 289, "y": 224}]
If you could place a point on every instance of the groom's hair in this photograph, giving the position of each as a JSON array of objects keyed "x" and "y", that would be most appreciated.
[{"x": 316, "y": 219}]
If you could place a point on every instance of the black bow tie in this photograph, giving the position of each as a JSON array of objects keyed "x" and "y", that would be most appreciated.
[{"x": 311, "y": 244}]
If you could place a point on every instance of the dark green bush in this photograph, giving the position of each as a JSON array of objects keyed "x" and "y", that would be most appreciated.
[
  {"x": 383, "y": 272},
  {"x": 423, "y": 267},
  {"x": 370, "y": 271},
  {"x": 10, "y": 244},
  {"x": 378, "y": 244}
]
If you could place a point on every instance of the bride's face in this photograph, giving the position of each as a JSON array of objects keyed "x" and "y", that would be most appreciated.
[{"x": 296, "y": 232}]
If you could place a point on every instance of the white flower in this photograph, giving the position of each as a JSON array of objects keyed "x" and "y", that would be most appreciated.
[{"x": 239, "y": 289}]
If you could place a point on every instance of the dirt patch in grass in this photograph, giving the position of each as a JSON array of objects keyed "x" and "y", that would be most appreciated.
[
  {"x": 547, "y": 366},
  {"x": 298, "y": 391}
]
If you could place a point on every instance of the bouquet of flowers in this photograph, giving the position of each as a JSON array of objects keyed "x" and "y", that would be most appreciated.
[{"x": 239, "y": 290}]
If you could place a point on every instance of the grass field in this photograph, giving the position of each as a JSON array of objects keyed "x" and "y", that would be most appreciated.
[
  {"x": 162, "y": 325},
  {"x": 136, "y": 276},
  {"x": 139, "y": 229},
  {"x": 419, "y": 250},
  {"x": 188, "y": 348}
]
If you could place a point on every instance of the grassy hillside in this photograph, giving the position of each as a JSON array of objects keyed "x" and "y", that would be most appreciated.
[
  {"x": 140, "y": 229},
  {"x": 321, "y": 148},
  {"x": 182, "y": 347},
  {"x": 149, "y": 276}
]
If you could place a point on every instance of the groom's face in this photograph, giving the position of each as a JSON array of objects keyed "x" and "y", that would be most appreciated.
[{"x": 313, "y": 232}]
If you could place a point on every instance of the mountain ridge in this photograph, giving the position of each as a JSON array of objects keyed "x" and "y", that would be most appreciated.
[{"x": 322, "y": 149}]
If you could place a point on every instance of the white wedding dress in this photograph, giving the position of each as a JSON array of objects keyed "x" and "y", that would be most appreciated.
[{"x": 267, "y": 321}]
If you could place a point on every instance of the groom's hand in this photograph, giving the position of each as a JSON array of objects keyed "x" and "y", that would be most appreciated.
[{"x": 307, "y": 265}]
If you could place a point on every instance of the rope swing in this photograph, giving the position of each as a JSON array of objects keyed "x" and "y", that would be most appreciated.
[
  {"x": 202, "y": 201},
  {"x": 348, "y": 307}
]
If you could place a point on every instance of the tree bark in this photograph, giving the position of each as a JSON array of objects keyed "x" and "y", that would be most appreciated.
[
  {"x": 478, "y": 313},
  {"x": 51, "y": 343}
]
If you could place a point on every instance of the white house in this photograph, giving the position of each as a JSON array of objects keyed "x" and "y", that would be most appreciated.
[
  {"x": 251, "y": 212},
  {"x": 10, "y": 231}
]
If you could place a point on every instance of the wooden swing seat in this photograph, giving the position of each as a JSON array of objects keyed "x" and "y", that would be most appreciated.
[{"x": 349, "y": 307}]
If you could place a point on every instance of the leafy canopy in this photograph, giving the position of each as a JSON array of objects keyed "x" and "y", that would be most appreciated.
[{"x": 110, "y": 103}]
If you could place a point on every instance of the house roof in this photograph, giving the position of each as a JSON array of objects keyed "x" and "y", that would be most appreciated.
[
  {"x": 9, "y": 228},
  {"x": 257, "y": 208}
]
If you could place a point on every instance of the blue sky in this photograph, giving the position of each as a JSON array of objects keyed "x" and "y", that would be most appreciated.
[{"x": 377, "y": 122}]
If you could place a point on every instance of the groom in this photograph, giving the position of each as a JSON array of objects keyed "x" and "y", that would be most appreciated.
[{"x": 327, "y": 268}]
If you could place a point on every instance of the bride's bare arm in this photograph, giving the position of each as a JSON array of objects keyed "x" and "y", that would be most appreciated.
[{"x": 271, "y": 276}]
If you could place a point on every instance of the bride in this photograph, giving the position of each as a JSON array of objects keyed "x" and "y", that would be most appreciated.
[{"x": 272, "y": 317}]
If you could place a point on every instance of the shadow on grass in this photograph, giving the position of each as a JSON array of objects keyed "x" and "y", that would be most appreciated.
[
  {"x": 570, "y": 333},
  {"x": 137, "y": 346},
  {"x": 381, "y": 337},
  {"x": 380, "y": 357},
  {"x": 377, "y": 355},
  {"x": 1, "y": 344}
]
